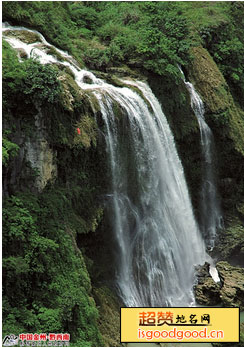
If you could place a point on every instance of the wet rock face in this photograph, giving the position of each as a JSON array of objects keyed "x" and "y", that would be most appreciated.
[
  {"x": 228, "y": 293},
  {"x": 41, "y": 159},
  {"x": 36, "y": 163}
]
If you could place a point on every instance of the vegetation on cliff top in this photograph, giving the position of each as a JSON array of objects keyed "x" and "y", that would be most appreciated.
[
  {"x": 153, "y": 35},
  {"x": 103, "y": 35}
]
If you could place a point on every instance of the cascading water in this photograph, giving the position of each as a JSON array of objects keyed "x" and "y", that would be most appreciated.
[
  {"x": 211, "y": 216},
  {"x": 157, "y": 236}
]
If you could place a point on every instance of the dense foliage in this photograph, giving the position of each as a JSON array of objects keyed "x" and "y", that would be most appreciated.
[
  {"x": 226, "y": 45},
  {"x": 46, "y": 284},
  {"x": 28, "y": 78}
]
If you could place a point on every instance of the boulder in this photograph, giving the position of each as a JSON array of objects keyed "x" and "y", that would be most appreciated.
[
  {"x": 207, "y": 292},
  {"x": 22, "y": 53},
  {"x": 232, "y": 291},
  {"x": 228, "y": 293}
]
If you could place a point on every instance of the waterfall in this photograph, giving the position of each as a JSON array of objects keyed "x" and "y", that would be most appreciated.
[
  {"x": 211, "y": 216},
  {"x": 158, "y": 240}
]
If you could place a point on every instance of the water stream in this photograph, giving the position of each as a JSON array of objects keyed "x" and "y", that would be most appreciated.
[{"x": 211, "y": 215}]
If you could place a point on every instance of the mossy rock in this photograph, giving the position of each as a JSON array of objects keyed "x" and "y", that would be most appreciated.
[
  {"x": 208, "y": 80},
  {"x": 125, "y": 71},
  {"x": 232, "y": 278},
  {"x": 109, "y": 316},
  {"x": 211, "y": 85},
  {"x": 240, "y": 209},
  {"x": 23, "y": 35},
  {"x": 230, "y": 245},
  {"x": 71, "y": 93},
  {"x": 53, "y": 52},
  {"x": 229, "y": 292},
  {"x": 88, "y": 132}
]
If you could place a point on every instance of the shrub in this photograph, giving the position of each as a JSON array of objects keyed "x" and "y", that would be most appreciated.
[{"x": 41, "y": 82}]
